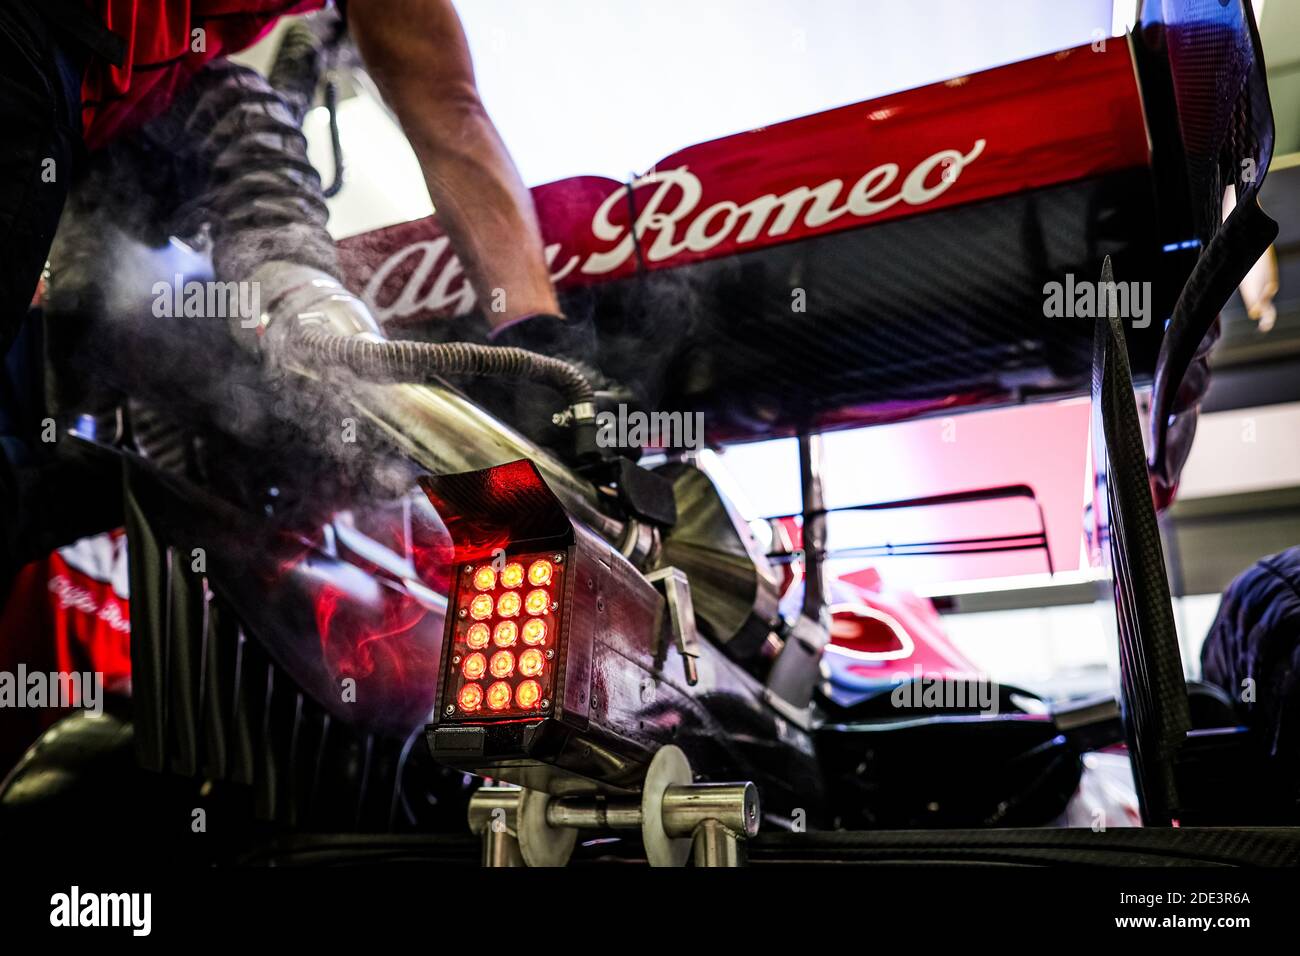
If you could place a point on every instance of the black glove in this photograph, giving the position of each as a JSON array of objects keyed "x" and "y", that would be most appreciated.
[{"x": 574, "y": 341}]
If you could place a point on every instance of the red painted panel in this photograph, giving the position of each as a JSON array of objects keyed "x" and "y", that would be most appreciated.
[{"x": 1050, "y": 120}]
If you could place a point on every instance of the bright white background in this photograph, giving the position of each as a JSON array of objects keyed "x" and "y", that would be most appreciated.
[{"x": 609, "y": 87}]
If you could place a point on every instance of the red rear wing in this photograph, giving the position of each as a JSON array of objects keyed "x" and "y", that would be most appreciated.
[
  {"x": 1047, "y": 121},
  {"x": 864, "y": 264}
]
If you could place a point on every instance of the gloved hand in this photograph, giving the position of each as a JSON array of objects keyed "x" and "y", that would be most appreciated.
[
  {"x": 292, "y": 296},
  {"x": 570, "y": 339}
]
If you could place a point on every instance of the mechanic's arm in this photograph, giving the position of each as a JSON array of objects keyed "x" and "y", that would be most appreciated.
[{"x": 417, "y": 53}]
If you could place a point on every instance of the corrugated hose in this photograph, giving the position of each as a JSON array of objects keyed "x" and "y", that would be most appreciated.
[{"x": 396, "y": 360}]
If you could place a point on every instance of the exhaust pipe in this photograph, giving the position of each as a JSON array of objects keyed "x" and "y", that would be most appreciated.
[{"x": 309, "y": 316}]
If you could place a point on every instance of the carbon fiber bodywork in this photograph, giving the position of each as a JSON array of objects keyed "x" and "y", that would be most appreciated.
[
  {"x": 1154, "y": 693},
  {"x": 946, "y": 308},
  {"x": 1226, "y": 125},
  {"x": 213, "y": 702}
]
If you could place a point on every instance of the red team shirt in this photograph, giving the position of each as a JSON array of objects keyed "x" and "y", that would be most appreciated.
[{"x": 164, "y": 53}]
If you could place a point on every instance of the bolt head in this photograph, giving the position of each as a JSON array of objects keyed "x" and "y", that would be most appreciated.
[
  {"x": 557, "y": 558},
  {"x": 462, "y": 613},
  {"x": 449, "y": 709},
  {"x": 546, "y": 703}
]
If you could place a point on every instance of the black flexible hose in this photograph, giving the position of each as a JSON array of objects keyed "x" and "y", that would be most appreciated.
[
  {"x": 304, "y": 56},
  {"x": 336, "y": 140},
  {"x": 420, "y": 361}
]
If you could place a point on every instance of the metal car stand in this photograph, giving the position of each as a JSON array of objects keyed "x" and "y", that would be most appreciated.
[{"x": 677, "y": 817}]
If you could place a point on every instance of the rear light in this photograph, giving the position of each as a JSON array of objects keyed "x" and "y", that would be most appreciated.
[
  {"x": 508, "y": 604},
  {"x": 521, "y": 679},
  {"x": 503, "y": 664},
  {"x": 485, "y": 578},
  {"x": 480, "y": 609},
  {"x": 528, "y": 694},
  {"x": 539, "y": 572},
  {"x": 474, "y": 667},
  {"x": 477, "y": 636},
  {"x": 572, "y": 634},
  {"x": 512, "y": 575},
  {"x": 535, "y": 632},
  {"x": 471, "y": 696},
  {"x": 538, "y": 602},
  {"x": 531, "y": 662},
  {"x": 498, "y": 696}
]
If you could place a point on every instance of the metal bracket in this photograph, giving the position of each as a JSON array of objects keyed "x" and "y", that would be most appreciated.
[{"x": 676, "y": 588}]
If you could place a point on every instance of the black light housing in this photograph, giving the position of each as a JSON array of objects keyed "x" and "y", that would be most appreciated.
[{"x": 564, "y": 727}]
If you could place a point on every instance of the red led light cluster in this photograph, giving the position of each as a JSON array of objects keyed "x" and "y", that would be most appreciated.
[{"x": 506, "y": 621}]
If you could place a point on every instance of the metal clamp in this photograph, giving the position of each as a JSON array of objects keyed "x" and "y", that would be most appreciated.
[
  {"x": 677, "y": 819},
  {"x": 513, "y": 824}
]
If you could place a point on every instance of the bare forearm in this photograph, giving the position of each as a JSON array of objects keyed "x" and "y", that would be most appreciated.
[{"x": 416, "y": 51}]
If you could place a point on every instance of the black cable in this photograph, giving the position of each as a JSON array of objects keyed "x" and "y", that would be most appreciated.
[
  {"x": 336, "y": 143},
  {"x": 631, "y": 225}
]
